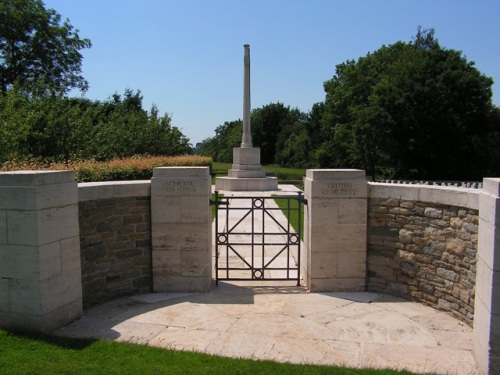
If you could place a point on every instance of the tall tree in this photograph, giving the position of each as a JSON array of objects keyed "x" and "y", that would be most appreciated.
[
  {"x": 61, "y": 128},
  {"x": 38, "y": 51},
  {"x": 220, "y": 146},
  {"x": 411, "y": 110},
  {"x": 271, "y": 126},
  {"x": 302, "y": 140}
]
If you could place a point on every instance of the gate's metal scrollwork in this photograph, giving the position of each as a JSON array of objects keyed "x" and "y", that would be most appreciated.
[{"x": 254, "y": 237}]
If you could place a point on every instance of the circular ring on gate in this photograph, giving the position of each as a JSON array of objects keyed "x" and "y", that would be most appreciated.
[
  {"x": 258, "y": 203},
  {"x": 258, "y": 274},
  {"x": 293, "y": 239},
  {"x": 222, "y": 238}
]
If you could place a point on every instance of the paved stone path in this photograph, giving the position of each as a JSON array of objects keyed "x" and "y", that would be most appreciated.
[{"x": 289, "y": 324}]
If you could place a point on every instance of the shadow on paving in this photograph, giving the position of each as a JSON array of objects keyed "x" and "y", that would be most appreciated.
[{"x": 286, "y": 323}]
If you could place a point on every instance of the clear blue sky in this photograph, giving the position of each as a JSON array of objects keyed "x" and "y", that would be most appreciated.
[{"x": 186, "y": 56}]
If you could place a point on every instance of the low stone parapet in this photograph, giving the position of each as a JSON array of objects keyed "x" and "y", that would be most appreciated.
[
  {"x": 115, "y": 239},
  {"x": 422, "y": 244}
]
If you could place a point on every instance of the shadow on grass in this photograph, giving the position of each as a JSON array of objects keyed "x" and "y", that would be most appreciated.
[{"x": 61, "y": 342}]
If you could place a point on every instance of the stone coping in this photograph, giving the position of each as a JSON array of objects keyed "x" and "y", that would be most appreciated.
[
  {"x": 491, "y": 185},
  {"x": 113, "y": 189},
  {"x": 36, "y": 178},
  {"x": 452, "y": 196},
  {"x": 335, "y": 174}
]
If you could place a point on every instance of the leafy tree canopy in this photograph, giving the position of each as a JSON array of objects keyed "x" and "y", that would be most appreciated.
[
  {"x": 57, "y": 128},
  {"x": 411, "y": 110},
  {"x": 220, "y": 146},
  {"x": 271, "y": 126},
  {"x": 38, "y": 51}
]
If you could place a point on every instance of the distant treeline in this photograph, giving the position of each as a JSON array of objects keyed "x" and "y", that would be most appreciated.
[
  {"x": 409, "y": 110},
  {"x": 56, "y": 128}
]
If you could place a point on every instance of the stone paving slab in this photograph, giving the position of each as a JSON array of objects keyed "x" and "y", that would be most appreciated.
[{"x": 288, "y": 324}]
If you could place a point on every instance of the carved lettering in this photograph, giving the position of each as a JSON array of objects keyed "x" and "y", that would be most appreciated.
[
  {"x": 337, "y": 192},
  {"x": 339, "y": 185},
  {"x": 346, "y": 189},
  {"x": 181, "y": 187},
  {"x": 179, "y": 183}
]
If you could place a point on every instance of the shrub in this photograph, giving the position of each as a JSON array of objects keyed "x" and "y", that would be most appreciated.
[{"x": 138, "y": 167}]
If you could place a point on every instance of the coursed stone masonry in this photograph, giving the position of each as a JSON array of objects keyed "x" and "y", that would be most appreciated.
[
  {"x": 334, "y": 258},
  {"x": 40, "y": 284},
  {"x": 115, "y": 240},
  {"x": 182, "y": 229},
  {"x": 422, "y": 250}
]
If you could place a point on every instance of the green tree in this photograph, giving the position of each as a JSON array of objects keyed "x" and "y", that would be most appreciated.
[
  {"x": 302, "y": 140},
  {"x": 411, "y": 110},
  {"x": 371, "y": 140},
  {"x": 39, "y": 51},
  {"x": 220, "y": 146},
  {"x": 59, "y": 128},
  {"x": 271, "y": 126},
  {"x": 296, "y": 150},
  {"x": 313, "y": 124}
]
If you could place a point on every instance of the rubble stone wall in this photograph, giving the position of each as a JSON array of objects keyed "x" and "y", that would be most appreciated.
[
  {"x": 422, "y": 245},
  {"x": 115, "y": 240}
]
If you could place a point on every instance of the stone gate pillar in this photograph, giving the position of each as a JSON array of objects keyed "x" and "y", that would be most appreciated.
[
  {"x": 335, "y": 230},
  {"x": 487, "y": 299},
  {"x": 40, "y": 272},
  {"x": 181, "y": 226}
]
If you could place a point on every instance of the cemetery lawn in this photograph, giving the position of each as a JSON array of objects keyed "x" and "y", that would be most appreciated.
[
  {"x": 294, "y": 214},
  {"x": 213, "y": 206},
  {"x": 46, "y": 354}
]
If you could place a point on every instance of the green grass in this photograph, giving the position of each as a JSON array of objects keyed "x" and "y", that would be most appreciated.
[
  {"x": 221, "y": 167},
  {"x": 45, "y": 354},
  {"x": 292, "y": 215},
  {"x": 285, "y": 174},
  {"x": 214, "y": 207}
]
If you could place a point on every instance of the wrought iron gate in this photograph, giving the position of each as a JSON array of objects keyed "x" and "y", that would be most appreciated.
[{"x": 255, "y": 239}]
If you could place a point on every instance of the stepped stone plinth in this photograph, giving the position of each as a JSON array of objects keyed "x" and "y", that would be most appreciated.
[{"x": 247, "y": 173}]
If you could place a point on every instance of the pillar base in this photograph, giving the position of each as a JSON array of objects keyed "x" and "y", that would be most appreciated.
[{"x": 247, "y": 173}]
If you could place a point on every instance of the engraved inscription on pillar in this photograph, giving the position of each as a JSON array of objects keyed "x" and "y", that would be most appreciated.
[
  {"x": 179, "y": 186},
  {"x": 339, "y": 189}
]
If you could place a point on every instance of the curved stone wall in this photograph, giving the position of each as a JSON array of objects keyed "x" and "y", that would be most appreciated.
[
  {"x": 115, "y": 239},
  {"x": 422, "y": 245}
]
